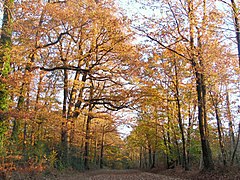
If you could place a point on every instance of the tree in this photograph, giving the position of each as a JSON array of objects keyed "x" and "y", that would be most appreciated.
[
  {"x": 187, "y": 37},
  {"x": 85, "y": 48},
  {"x": 5, "y": 63},
  {"x": 5, "y": 59},
  {"x": 236, "y": 25}
]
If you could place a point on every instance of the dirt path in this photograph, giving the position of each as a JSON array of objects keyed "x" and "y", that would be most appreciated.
[{"x": 116, "y": 175}]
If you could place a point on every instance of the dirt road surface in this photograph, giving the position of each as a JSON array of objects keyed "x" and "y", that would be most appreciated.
[{"x": 116, "y": 175}]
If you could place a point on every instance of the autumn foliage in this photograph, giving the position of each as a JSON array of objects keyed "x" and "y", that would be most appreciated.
[{"x": 73, "y": 72}]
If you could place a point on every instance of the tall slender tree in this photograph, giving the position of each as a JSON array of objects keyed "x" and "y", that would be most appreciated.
[{"x": 5, "y": 57}]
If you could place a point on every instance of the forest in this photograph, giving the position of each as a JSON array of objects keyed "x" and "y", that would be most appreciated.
[{"x": 130, "y": 84}]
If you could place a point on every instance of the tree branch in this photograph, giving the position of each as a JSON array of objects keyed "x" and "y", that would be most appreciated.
[
  {"x": 164, "y": 46},
  {"x": 55, "y": 42},
  {"x": 73, "y": 68}
]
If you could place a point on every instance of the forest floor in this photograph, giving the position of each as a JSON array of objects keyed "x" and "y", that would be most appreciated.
[
  {"x": 96, "y": 175},
  {"x": 106, "y": 174},
  {"x": 220, "y": 173}
]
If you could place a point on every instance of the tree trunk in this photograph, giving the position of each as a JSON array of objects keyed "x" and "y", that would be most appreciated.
[
  {"x": 102, "y": 147},
  {"x": 155, "y": 144},
  {"x": 73, "y": 94},
  {"x": 80, "y": 95},
  {"x": 230, "y": 124},
  {"x": 65, "y": 131},
  {"x": 200, "y": 86},
  {"x": 6, "y": 38},
  {"x": 145, "y": 165},
  {"x": 189, "y": 129},
  {"x": 39, "y": 90},
  {"x": 180, "y": 123},
  {"x": 16, "y": 121},
  {"x": 71, "y": 116},
  {"x": 83, "y": 138},
  {"x": 178, "y": 149},
  {"x": 221, "y": 142},
  {"x": 237, "y": 26},
  {"x": 207, "y": 154},
  {"x": 25, "y": 140},
  {"x": 219, "y": 127},
  {"x": 236, "y": 146},
  {"x": 87, "y": 138},
  {"x": 149, "y": 155},
  {"x": 6, "y": 45},
  {"x": 153, "y": 159},
  {"x": 166, "y": 146},
  {"x": 140, "y": 157},
  {"x": 95, "y": 147}
]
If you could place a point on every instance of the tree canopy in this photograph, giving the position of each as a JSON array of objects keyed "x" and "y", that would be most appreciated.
[{"x": 73, "y": 72}]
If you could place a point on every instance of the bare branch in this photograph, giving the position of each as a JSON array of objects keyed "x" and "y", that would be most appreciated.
[
  {"x": 73, "y": 68},
  {"x": 55, "y": 42}
]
